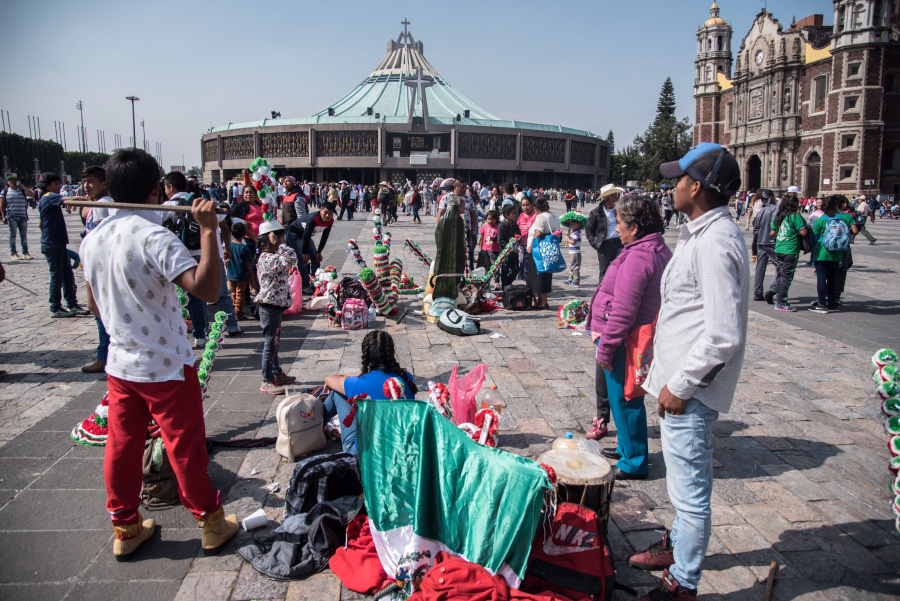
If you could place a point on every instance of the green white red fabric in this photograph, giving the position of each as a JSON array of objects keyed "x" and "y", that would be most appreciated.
[{"x": 430, "y": 488}]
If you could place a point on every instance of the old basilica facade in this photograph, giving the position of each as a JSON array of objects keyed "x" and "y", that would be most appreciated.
[{"x": 814, "y": 106}]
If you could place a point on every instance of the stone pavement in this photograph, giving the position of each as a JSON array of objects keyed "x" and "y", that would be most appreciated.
[{"x": 800, "y": 464}]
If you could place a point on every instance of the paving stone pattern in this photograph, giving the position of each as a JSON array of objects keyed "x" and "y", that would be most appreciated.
[{"x": 800, "y": 463}]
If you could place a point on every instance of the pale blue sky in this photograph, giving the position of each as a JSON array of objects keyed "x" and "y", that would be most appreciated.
[{"x": 595, "y": 65}]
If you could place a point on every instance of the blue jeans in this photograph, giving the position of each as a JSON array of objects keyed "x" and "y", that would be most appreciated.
[
  {"x": 225, "y": 303},
  {"x": 103, "y": 347},
  {"x": 20, "y": 224},
  {"x": 688, "y": 452},
  {"x": 630, "y": 417},
  {"x": 62, "y": 280},
  {"x": 336, "y": 404},
  {"x": 199, "y": 316},
  {"x": 270, "y": 321},
  {"x": 296, "y": 242}
]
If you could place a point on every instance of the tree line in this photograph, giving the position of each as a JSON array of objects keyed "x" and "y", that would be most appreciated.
[{"x": 20, "y": 153}]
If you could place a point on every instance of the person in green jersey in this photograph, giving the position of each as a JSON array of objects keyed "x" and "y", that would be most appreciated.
[
  {"x": 828, "y": 262},
  {"x": 787, "y": 227}
]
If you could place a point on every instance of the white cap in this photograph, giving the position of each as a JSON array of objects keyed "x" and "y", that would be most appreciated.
[
  {"x": 793, "y": 190},
  {"x": 270, "y": 226}
]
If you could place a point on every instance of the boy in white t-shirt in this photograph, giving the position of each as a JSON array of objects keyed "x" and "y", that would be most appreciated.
[{"x": 131, "y": 264}]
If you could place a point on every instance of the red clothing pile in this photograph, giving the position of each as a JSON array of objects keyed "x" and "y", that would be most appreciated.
[
  {"x": 357, "y": 565},
  {"x": 452, "y": 579},
  {"x": 359, "y": 569}
]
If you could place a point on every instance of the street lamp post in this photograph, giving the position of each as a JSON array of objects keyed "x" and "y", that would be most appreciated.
[
  {"x": 80, "y": 107},
  {"x": 623, "y": 175},
  {"x": 133, "y": 122}
]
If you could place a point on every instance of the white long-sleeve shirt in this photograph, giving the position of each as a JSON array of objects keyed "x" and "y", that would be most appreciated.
[{"x": 701, "y": 332}]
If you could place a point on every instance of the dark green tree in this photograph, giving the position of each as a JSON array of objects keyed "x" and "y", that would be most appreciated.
[
  {"x": 667, "y": 138},
  {"x": 625, "y": 166},
  {"x": 611, "y": 140},
  {"x": 665, "y": 107}
]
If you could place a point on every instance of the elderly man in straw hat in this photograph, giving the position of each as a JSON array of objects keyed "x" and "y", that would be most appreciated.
[{"x": 602, "y": 235}]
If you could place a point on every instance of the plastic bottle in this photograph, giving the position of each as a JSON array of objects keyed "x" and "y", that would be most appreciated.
[
  {"x": 578, "y": 443},
  {"x": 589, "y": 446},
  {"x": 370, "y": 322},
  {"x": 565, "y": 442},
  {"x": 492, "y": 400}
]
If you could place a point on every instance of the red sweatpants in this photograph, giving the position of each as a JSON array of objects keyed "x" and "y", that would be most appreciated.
[{"x": 177, "y": 406}]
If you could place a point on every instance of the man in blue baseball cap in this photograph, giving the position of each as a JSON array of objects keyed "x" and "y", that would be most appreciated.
[{"x": 701, "y": 333}]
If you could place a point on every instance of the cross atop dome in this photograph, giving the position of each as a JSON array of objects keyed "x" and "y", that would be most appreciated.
[{"x": 405, "y": 36}]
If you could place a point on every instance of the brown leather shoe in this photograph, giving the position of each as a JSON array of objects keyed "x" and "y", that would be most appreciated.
[
  {"x": 659, "y": 556},
  {"x": 97, "y": 367},
  {"x": 669, "y": 589},
  {"x": 283, "y": 379}
]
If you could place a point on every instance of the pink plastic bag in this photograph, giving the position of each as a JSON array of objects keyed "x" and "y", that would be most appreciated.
[
  {"x": 463, "y": 391},
  {"x": 296, "y": 284}
]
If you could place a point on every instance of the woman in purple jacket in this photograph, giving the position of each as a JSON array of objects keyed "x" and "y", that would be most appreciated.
[{"x": 627, "y": 298}]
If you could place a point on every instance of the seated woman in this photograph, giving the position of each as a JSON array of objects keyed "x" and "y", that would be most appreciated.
[{"x": 378, "y": 366}]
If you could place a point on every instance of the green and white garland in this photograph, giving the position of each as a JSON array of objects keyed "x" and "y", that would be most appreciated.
[{"x": 887, "y": 378}]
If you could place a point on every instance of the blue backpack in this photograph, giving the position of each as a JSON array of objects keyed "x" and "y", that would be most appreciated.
[{"x": 836, "y": 235}]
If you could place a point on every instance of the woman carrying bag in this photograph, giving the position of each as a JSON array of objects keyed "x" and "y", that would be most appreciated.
[
  {"x": 544, "y": 224},
  {"x": 621, "y": 319}
]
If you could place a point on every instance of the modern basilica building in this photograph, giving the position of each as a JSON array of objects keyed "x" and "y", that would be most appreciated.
[
  {"x": 406, "y": 122},
  {"x": 816, "y": 106}
]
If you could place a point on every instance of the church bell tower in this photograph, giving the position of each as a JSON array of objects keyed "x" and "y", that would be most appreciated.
[{"x": 713, "y": 53}]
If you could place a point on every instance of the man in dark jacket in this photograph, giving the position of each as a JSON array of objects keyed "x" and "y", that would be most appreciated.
[
  {"x": 765, "y": 246},
  {"x": 602, "y": 235},
  {"x": 294, "y": 205},
  {"x": 601, "y": 229},
  {"x": 346, "y": 203},
  {"x": 385, "y": 198},
  {"x": 300, "y": 238}
]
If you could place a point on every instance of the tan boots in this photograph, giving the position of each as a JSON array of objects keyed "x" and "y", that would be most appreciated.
[
  {"x": 129, "y": 538},
  {"x": 217, "y": 530}
]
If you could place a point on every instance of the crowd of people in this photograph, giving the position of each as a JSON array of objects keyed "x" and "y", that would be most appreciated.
[
  {"x": 783, "y": 230},
  {"x": 237, "y": 250}
]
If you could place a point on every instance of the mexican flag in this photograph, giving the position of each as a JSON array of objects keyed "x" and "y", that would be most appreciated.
[{"x": 430, "y": 488}]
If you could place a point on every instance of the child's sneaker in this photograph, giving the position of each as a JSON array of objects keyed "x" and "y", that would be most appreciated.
[
  {"x": 272, "y": 388},
  {"x": 16, "y": 257},
  {"x": 599, "y": 429},
  {"x": 199, "y": 342},
  {"x": 817, "y": 308},
  {"x": 784, "y": 307}
]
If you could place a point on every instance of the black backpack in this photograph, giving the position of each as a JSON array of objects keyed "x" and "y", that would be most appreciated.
[
  {"x": 517, "y": 297},
  {"x": 184, "y": 225},
  {"x": 323, "y": 496}
]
